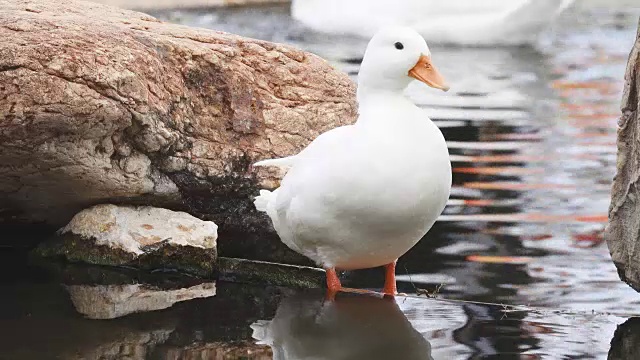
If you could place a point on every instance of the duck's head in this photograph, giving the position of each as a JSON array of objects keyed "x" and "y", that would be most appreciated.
[{"x": 394, "y": 57}]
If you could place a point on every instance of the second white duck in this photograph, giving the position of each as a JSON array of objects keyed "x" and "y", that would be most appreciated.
[
  {"x": 360, "y": 196},
  {"x": 460, "y": 22}
]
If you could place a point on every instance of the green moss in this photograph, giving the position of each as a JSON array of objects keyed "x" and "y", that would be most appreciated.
[
  {"x": 83, "y": 274},
  {"x": 187, "y": 259},
  {"x": 261, "y": 272},
  {"x": 202, "y": 263},
  {"x": 74, "y": 248}
]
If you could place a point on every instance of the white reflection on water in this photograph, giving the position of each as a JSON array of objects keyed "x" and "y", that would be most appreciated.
[{"x": 351, "y": 327}]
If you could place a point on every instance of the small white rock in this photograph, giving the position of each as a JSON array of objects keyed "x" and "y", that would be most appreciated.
[{"x": 132, "y": 228}]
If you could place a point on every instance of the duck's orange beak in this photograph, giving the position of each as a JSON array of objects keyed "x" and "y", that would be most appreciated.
[{"x": 427, "y": 73}]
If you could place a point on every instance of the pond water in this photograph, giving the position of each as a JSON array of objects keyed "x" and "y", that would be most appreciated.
[{"x": 531, "y": 134}]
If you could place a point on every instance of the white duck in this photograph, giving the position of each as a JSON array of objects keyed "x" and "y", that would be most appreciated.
[
  {"x": 360, "y": 196},
  {"x": 352, "y": 328},
  {"x": 462, "y": 22}
]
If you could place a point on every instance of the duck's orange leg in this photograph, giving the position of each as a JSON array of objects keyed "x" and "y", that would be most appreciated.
[
  {"x": 333, "y": 283},
  {"x": 390, "y": 280}
]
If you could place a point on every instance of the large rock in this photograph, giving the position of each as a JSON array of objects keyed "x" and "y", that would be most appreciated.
[
  {"x": 103, "y": 105},
  {"x": 623, "y": 230}
]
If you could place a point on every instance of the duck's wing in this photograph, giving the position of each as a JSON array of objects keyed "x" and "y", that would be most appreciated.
[
  {"x": 321, "y": 145},
  {"x": 438, "y": 11},
  {"x": 538, "y": 10},
  {"x": 438, "y": 8},
  {"x": 306, "y": 175},
  {"x": 277, "y": 203},
  {"x": 499, "y": 22}
]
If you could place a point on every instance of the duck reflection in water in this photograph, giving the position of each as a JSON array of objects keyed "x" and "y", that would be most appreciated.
[{"x": 306, "y": 326}]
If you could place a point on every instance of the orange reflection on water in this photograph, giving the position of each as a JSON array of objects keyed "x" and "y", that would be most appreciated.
[
  {"x": 611, "y": 145},
  {"x": 500, "y": 158},
  {"x": 525, "y": 218},
  {"x": 517, "y": 136},
  {"x": 596, "y": 116},
  {"x": 516, "y": 158},
  {"x": 570, "y": 85},
  {"x": 591, "y": 135},
  {"x": 478, "y": 202},
  {"x": 596, "y": 124},
  {"x": 585, "y": 106},
  {"x": 504, "y": 185},
  {"x": 498, "y": 170},
  {"x": 472, "y": 202},
  {"x": 499, "y": 259},
  {"x": 588, "y": 240}
]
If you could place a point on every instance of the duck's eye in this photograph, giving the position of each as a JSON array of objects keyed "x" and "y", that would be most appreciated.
[{"x": 399, "y": 45}]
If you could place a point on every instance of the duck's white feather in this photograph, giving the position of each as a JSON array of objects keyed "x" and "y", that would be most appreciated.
[
  {"x": 324, "y": 140},
  {"x": 283, "y": 163},
  {"x": 364, "y": 195}
]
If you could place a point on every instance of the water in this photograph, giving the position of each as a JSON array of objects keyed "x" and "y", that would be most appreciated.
[{"x": 532, "y": 139}]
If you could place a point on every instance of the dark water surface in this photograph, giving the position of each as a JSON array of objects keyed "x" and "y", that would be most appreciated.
[{"x": 532, "y": 139}]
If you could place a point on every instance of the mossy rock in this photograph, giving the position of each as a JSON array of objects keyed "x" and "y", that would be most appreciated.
[
  {"x": 162, "y": 256},
  {"x": 198, "y": 262},
  {"x": 262, "y": 272}
]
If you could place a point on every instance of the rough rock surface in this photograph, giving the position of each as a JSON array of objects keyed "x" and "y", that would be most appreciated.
[
  {"x": 143, "y": 237},
  {"x": 113, "y": 301},
  {"x": 103, "y": 105},
  {"x": 623, "y": 230},
  {"x": 174, "y": 4},
  {"x": 133, "y": 229},
  {"x": 219, "y": 350},
  {"x": 626, "y": 338}
]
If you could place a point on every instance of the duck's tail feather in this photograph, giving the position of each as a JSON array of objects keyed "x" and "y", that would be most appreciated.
[
  {"x": 261, "y": 201},
  {"x": 285, "y": 162}
]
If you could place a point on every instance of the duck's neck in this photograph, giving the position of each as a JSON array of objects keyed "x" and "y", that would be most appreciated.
[
  {"x": 371, "y": 95},
  {"x": 374, "y": 101}
]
